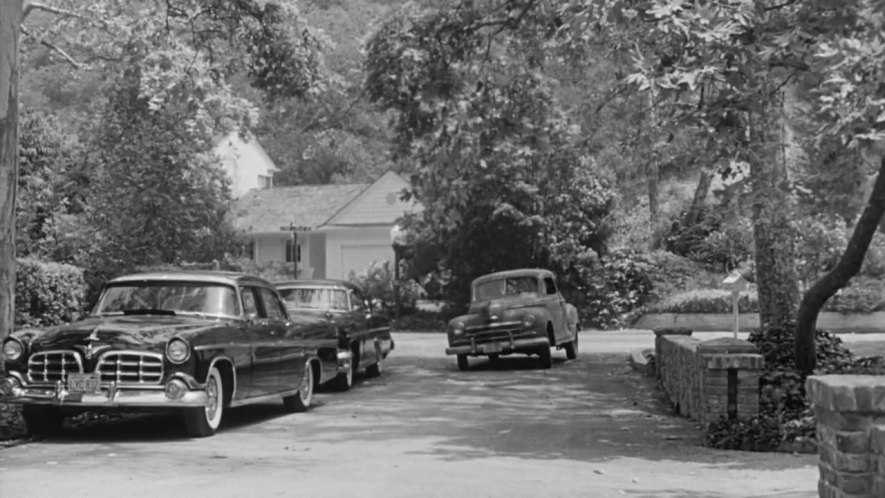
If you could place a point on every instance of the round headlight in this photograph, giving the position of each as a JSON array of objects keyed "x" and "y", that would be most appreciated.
[
  {"x": 178, "y": 351},
  {"x": 12, "y": 350},
  {"x": 458, "y": 328},
  {"x": 528, "y": 321}
]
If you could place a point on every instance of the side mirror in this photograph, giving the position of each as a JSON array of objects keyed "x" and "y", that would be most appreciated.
[
  {"x": 252, "y": 318},
  {"x": 328, "y": 315}
]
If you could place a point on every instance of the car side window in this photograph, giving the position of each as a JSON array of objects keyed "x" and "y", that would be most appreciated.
[
  {"x": 250, "y": 301},
  {"x": 272, "y": 305},
  {"x": 550, "y": 286},
  {"x": 357, "y": 301}
]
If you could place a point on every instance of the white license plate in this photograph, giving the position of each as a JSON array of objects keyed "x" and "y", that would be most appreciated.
[
  {"x": 492, "y": 348},
  {"x": 84, "y": 383}
]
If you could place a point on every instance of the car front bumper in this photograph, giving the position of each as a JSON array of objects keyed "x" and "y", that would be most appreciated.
[
  {"x": 500, "y": 347},
  {"x": 109, "y": 396},
  {"x": 345, "y": 360}
]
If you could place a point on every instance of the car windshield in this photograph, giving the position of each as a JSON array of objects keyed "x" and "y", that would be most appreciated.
[
  {"x": 315, "y": 298},
  {"x": 143, "y": 297},
  {"x": 511, "y": 286}
]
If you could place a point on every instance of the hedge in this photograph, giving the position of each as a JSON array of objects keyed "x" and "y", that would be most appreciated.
[{"x": 47, "y": 293}]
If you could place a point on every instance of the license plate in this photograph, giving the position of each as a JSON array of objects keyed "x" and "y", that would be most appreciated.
[
  {"x": 84, "y": 383},
  {"x": 492, "y": 348}
]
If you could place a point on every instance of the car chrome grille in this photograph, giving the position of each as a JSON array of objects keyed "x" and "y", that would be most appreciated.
[
  {"x": 130, "y": 367},
  {"x": 53, "y": 366},
  {"x": 504, "y": 331}
]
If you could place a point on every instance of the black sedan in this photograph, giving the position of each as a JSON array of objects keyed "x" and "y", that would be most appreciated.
[
  {"x": 195, "y": 342},
  {"x": 361, "y": 331}
]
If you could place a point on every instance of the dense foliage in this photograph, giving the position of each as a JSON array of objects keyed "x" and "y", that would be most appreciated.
[
  {"x": 48, "y": 293},
  {"x": 500, "y": 169}
]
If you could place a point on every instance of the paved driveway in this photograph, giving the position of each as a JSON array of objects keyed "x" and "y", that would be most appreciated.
[{"x": 586, "y": 428}]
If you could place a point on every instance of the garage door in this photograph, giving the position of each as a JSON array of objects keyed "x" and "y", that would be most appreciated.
[{"x": 357, "y": 258}]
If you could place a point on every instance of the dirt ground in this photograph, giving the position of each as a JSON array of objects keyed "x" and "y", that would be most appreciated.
[{"x": 591, "y": 427}]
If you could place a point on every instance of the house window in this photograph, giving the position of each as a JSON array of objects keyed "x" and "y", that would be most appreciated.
[
  {"x": 290, "y": 254},
  {"x": 265, "y": 182}
]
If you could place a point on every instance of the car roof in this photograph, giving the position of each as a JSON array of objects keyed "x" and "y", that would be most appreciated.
[
  {"x": 520, "y": 272},
  {"x": 322, "y": 282},
  {"x": 205, "y": 276}
]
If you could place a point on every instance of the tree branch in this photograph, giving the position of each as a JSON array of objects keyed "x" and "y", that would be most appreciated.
[
  {"x": 52, "y": 47},
  {"x": 29, "y": 6}
]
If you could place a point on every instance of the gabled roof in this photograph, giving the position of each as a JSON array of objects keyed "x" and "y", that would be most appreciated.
[
  {"x": 317, "y": 206},
  {"x": 266, "y": 211}
]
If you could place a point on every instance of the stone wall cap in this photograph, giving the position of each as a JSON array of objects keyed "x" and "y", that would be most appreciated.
[
  {"x": 727, "y": 345},
  {"x": 847, "y": 393}
]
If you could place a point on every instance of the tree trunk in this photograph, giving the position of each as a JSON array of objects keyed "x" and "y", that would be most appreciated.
[
  {"x": 848, "y": 266},
  {"x": 776, "y": 280},
  {"x": 10, "y": 27},
  {"x": 700, "y": 197},
  {"x": 653, "y": 177}
]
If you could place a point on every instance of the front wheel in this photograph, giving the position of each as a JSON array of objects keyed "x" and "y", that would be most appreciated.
[
  {"x": 463, "y": 363},
  {"x": 571, "y": 348},
  {"x": 205, "y": 421},
  {"x": 300, "y": 401},
  {"x": 42, "y": 420}
]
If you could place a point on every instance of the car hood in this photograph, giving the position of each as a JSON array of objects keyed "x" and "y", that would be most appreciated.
[
  {"x": 503, "y": 303},
  {"x": 120, "y": 332}
]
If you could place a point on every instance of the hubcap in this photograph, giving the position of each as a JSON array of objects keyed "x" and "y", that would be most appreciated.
[
  {"x": 306, "y": 388},
  {"x": 212, "y": 393}
]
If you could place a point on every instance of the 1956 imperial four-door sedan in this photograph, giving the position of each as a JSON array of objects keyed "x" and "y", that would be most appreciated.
[
  {"x": 362, "y": 334},
  {"x": 196, "y": 342},
  {"x": 515, "y": 311}
]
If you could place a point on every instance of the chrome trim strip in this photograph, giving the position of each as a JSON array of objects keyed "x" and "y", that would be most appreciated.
[
  {"x": 260, "y": 399},
  {"x": 204, "y": 347}
]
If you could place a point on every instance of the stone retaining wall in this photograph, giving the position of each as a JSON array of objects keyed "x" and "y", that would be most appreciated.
[
  {"x": 710, "y": 379},
  {"x": 850, "y": 414}
]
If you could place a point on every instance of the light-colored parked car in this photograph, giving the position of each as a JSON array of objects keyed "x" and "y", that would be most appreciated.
[
  {"x": 195, "y": 342},
  {"x": 515, "y": 311}
]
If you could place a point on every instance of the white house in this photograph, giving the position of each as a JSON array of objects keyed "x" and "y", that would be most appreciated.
[
  {"x": 245, "y": 162},
  {"x": 328, "y": 230}
]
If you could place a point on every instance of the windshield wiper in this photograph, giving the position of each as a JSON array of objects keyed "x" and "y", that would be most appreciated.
[{"x": 149, "y": 311}]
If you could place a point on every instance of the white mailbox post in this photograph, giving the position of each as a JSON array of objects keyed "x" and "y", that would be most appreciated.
[{"x": 735, "y": 283}]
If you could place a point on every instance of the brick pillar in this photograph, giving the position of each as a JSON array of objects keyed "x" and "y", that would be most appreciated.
[
  {"x": 850, "y": 413},
  {"x": 659, "y": 333},
  {"x": 729, "y": 371}
]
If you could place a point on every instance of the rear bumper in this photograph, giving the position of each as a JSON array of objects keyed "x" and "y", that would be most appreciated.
[
  {"x": 109, "y": 396},
  {"x": 500, "y": 347}
]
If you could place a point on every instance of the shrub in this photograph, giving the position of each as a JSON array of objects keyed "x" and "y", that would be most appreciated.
[
  {"x": 820, "y": 242},
  {"x": 710, "y": 238},
  {"x": 606, "y": 292},
  {"x": 874, "y": 261},
  {"x": 47, "y": 293},
  {"x": 706, "y": 301},
  {"x": 377, "y": 281},
  {"x": 763, "y": 433},
  {"x": 864, "y": 295}
]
